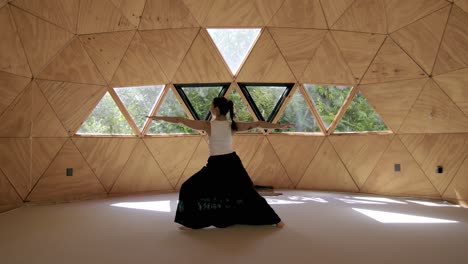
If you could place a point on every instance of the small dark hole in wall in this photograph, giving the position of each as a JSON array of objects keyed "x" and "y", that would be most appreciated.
[
  {"x": 439, "y": 169},
  {"x": 397, "y": 167},
  {"x": 69, "y": 171}
]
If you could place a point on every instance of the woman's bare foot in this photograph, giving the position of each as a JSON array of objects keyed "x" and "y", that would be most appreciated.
[
  {"x": 184, "y": 228},
  {"x": 280, "y": 224}
]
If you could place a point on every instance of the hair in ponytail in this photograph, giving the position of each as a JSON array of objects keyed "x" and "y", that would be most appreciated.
[{"x": 224, "y": 105}]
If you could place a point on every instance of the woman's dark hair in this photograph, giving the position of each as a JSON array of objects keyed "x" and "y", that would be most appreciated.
[{"x": 224, "y": 105}]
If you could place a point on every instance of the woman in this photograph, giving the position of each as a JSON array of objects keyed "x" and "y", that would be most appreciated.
[{"x": 221, "y": 193}]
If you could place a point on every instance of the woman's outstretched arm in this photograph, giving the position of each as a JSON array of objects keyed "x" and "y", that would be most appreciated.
[
  {"x": 194, "y": 124},
  {"x": 242, "y": 126}
]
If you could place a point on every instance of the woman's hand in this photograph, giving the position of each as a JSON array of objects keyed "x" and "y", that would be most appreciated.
[{"x": 286, "y": 125}]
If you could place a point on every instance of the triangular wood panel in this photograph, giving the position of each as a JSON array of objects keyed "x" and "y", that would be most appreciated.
[
  {"x": 458, "y": 188},
  {"x": 141, "y": 174},
  {"x": 360, "y": 153},
  {"x": 393, "y": 109},
  {"x": 453, "y": 53},
  {"x": 434, "y": 112},
  {"x": 172, "y": 154},
  {"x": 72, "y": 102},
  {"x": 327, "y": 172},
  {"x": 265, "y": 63},
  {"x": 363, "y": 16},
  {"x": 295, "y": 153},
  {"x": 430, "y": 151},
  {"x": 169, "y": 46},
  {"x": 411, "y": 180},
  {"x": 358, "y": 49},
  {"x": 455, "y": 86},
  {"x": 202, "y": 64},
  {"x": 3, "y": 3},
  {"x": 131, "y": 9},
  {"x": 299, "y": 14},
  {"x": 328, "y": 65},
  {"x": 163, "y": 14},
  {"x": 44, "y": 151},
  {"x": 82, "y": 70},
  {"x": 12, "y": 55},
  {"x": 266, "y": 169},
  {"x": 199, "y": 9},
  {"x": 138, "y": 67},
  {"x": 463, "y": 4},
  {"x": 44, "y": 121},
  {"x": 246, "y": 146},
  {"x": 401, "y": 13},
  {"x": 101, "y": 16},
  {"x": 198, "y": 159},
  {"x": 233, "y": 13},
  {"x": 16, "y": 119},
  {"x": 58, "y": 12},
  {"x": 41, "y": 40},
  {"x": 334, "y": 9},
  {"x": 15, "y": 162},
  {"x": 106, "y": 156},
  {"x": 107, "y": 50},
  {"x": 54, "y": 185},
  {"x": 267, "y": 8},
  {"x": 298, "y": 46},
  {"x": 392, "y": 64},
  {"x": 421, "y": 40},
  {"x": 10, "y": 87},
  {"x": 9, "y": 198}
]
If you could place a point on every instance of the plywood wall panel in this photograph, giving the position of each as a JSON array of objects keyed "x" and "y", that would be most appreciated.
[
  {"x": 360, "y": 153},
  {"x": 58, "y": 12},
  {"x": 358, "y": 49},
  {"x": 106, "y": 156},
  {"x": 44, "y": 151},
  {"x": 54, "y": 185},
  {"x": 131, "y": 9},
  {"x": 327, "y": 172},
  {"x": 233, "y": 13},
  {"x": 434, "y": 112},
  {"x": 107, "y": 50},
  {"x": 328, "y": 65},
  {"x": 82, "y": 70},
  {"x": 334, "y": 9},
  {"x": 101, "y": 16},
  {"x": 10, "y": 87},
  {"x": 392, "y": 64},
  {"x": 172, "y": 154},
  {"x": 202, "y": 64},
  {"x": 15, "y": 160},
  {"x": 458, "y": 188},
  {"x": 401, "y": 13},
  {"x": 421, "y": 40},
  {"x": 299, "y": 14},
  {"x": 298, "y": 46},
  {"x": 199, "y": 8},
  {"x": 267, "y": 8},
  {"x": 295, "y": 153},
  {"x": 246, "y": 146},
  {"x": 196, "y": 163},
  {"x": 411, "y": 180},
  {"x": 162, "y": 14},
  {"x": 72, "y": 102},
  {"x": 16, "y": 119},
  {"x": 41, "y": 40},
  {"x": 455, "y": 84},
  {"x": 393, "y": 100},
  {"x": 463, "y": 4},
  {"x": 9, "y": 199},
  {"x": 363, "y": 16},
  {"x": 453, "y": 53},
  {"x": 266, "y": 169},
  {"x": 12, "y": 55},
  {"x": 169, "y": 46},
  {"x": 138, "y": 67}
]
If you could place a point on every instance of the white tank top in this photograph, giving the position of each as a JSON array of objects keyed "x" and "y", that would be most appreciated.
[{"x": 220, "y": 140}]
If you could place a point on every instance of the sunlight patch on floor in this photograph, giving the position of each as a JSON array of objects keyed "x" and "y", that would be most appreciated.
[{"x": 396, "y": 218}]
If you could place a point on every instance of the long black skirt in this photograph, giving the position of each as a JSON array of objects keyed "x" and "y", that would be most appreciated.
[{"x": 222, "y": 194}]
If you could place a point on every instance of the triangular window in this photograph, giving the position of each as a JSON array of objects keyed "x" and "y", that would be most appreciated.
[
  {"x": 234, "y": 44},
  {"x": 106, "y": 119},
  {"x": 240, "y": 109}
]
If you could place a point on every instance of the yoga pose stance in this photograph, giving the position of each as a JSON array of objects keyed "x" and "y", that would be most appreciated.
[{"x": 222, "y": 194}]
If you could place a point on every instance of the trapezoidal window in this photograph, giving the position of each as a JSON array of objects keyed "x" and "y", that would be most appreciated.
[
  {"x": 106, "y": 119},
  {"x": 360, "y": 116},
  {"x": 198, "y": 97},
  {"x": 327, "y": 99},
  {"x": 265, "y": 99},
  {"x": 234, "y": 44}
]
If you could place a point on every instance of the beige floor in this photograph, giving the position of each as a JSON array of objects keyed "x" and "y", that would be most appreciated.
[{"x": 321, "y": 228}]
